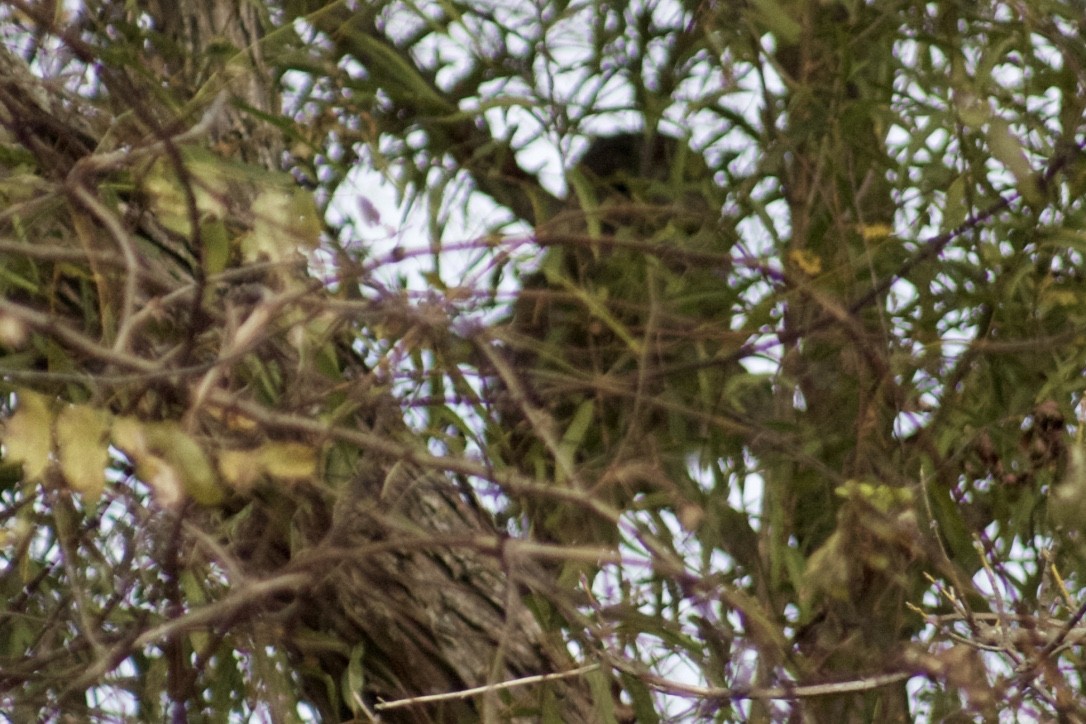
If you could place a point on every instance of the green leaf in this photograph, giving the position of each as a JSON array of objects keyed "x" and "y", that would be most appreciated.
[
  {"x": 28, "y": 434},
  {"x": 169, "y": 460},
  {"x": 777, "y": 20},
  {"x": 238, "y": 469},
  {"x": 574, "y": 435},
  {"x": 354, "y": 679},
  {"x": 644, "y": 707},
  {"x": 83, "y": 448},
  {"x": 600, "y": 685},
  {"x": 170, "y": 196},
  {"x": 284, "y": 221},
  {"x": 180, "y": 450},
  {"x": 284, "y": 461},
  {"x": 1068, "y": 500},
  {"x": 828, "y": 572},
  {"x": 1007, "y": 149},
  {"x": 216, "y": 248},
  {"x": 956, "y": 210},
  {"x": 586, "y": 196},
  {"x": 402, "y": 77},
  {"x": 288, "y": 460}
]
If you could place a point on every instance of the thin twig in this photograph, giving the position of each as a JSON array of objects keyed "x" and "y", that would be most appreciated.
[
  {"x": 467, "y": 693},
  {"x": 543, "y": 425},
  {"x": 851, "y": 686},
  {"x": 100, "y": 162},
  {"x": 128, "y": 251},
  {"x": 240, "y": 596},
  {"x": 997, "y": 590}
]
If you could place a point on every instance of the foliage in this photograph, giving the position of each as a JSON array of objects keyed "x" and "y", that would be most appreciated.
[{"x": 766, "y": 416}]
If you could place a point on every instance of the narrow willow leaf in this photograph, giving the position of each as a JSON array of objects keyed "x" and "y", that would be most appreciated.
[
  {"x": 216, "y": 246},
  {"x": 283, "y": 461},
  {"x": 288, "y": 460},
  {"x": 808, "y": 262},
  {"x": 354, "y": 678},
  {"x": 956, "y": 209},
  {"x": 601, "y": 691},
  {"x": 1007, "y": 149},
  {"x": 574, "y": 437},
  {"x": 163, "y": 478}
]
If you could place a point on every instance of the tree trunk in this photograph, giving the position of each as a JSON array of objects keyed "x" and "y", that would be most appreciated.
[{"x": 841, "y": 210}]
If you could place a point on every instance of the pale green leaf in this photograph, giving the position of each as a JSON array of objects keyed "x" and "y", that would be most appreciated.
[
  {"x": 239, "y": 468},
  {"x": 827, "y": 572},
  {"x": 181, "y": 451},
  {"x": 28, "y": 434},
  {"x": 169, "y": 460},
  {"x": 285, "y": 221},
  {"x": 288, "y": 460},
  {"x": 205, "y": 184},
  {"x": 354, "y": 678},
  {"x": 83, "y": 448}
]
